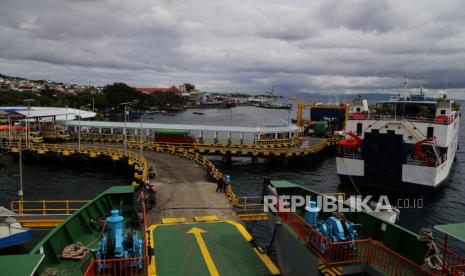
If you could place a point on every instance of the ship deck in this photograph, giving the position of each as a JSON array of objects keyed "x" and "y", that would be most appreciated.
[
  {"x": 209, "y": 248},
  {"x": 24, "y": 264}
]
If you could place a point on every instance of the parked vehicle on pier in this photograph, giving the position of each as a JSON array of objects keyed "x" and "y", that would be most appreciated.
[
  {"x": 55, "y": 133},
  {"x": 173, "y": 136},
  {"x": 16, "y": 133}
]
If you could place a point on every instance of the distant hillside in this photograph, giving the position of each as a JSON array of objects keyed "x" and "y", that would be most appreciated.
[{"x": 10, "y": 78}]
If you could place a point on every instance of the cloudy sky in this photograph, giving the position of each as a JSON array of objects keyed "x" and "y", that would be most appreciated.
[{"x": 300, "y": 46}]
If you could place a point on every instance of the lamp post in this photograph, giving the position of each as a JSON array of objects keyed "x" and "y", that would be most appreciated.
[
  {"x": 28, "y": 101},
  {"x": 20, "y": 192},
  {"x": 141, "y": 138},
  {"x": 79, "y": 134},
  {"x": 125, "y": 104}
]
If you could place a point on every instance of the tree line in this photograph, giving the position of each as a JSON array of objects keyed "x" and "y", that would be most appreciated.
[{"x": 107, "y": 100}]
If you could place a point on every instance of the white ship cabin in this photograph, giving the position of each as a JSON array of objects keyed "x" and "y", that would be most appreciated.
[
  {"x": 429, "y": 127},
  {"x": 358, "y": 106},
  {"x": 415, "y": 118}
]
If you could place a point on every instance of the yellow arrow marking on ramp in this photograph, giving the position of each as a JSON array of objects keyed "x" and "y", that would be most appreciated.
[{"x": 203, "y": 248}]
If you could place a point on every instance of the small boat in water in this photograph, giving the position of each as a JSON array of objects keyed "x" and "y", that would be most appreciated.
[
  {"x": 198, "y": 113},
  {"x": 11, "y": 231}
]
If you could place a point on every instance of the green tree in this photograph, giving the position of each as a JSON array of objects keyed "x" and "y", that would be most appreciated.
[{"x": 119, "y": 92}]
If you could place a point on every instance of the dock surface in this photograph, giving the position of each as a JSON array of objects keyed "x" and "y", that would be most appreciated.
[{"x": 183, "y": 191}]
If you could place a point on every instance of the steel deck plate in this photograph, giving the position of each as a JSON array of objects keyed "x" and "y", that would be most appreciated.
[{"x": 222, "y": 246}]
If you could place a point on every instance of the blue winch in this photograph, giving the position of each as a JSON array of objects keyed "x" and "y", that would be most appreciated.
[
  {"x": 333, "y": 228},
  {"x": 337, "y": 230},
  {"x": 116, "y": 244}
]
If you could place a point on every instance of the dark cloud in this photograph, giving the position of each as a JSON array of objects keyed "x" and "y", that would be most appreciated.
[
  {"x": 363, "y": 15},
  {"x": 301, "y": 46}
]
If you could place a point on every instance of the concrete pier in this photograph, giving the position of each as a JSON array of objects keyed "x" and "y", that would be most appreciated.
[{"x": 183, "y": 191}]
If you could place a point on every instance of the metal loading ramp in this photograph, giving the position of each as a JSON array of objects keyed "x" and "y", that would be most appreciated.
[{"x": 211, "y": 248}]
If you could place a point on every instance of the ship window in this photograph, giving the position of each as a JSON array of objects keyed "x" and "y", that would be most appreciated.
[
  {"x": 359, "y": 128},
  {"x": 358, "y": 109},
  {"x": 391, "y": 132},
  {"x": 430, "y": 132},
  {"x": 443, "y": 111}
]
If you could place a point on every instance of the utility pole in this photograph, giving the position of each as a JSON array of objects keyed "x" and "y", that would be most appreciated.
[
  {"x": 27, "y": 121},
  {"x": 125, "y": 104},
  {"x": 141, "y": 136},
  {"x": 20, "y": 192},
  {"x": 79, "y": 134}
]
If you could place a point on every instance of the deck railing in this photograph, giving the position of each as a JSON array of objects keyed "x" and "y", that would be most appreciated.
[
  {"x": 410, "y": 160},
  {"x": 418, "y": 119},
  {"x": 249, "y": 204},
  {"x": 349, "y": 252},
  {"x": 453, "y": 263},
  {"x": 46, "y": 207},
  {"x": 126, "y": 266}
]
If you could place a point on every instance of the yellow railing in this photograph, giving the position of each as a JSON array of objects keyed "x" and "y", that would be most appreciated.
[
  {"x": 257, "y": 149},
  {"x": 46, "y": 207},
  {"x": 249, "y": 203},
  {"x": 100, "y": 137},
  {"x": 231, "y": 195},
  {"x": 281, "y": 141},
  {"x": 200, "y": 159}
]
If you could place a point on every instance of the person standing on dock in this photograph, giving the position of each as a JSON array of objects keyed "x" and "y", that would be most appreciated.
[
  {"x": 226, "y": 181},
  {"x": 220, "y": 184}
]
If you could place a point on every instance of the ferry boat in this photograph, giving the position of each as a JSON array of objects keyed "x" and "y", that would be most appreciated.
[{"x": 405, "y": 143}]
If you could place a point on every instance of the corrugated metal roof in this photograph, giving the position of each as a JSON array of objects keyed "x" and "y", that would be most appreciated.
[
  {"x": 133, "y": 125},
  {"x": 61, "y": 113}
]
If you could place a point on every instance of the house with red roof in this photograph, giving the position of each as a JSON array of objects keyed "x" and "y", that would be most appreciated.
[{"x": 172, "y": 89}]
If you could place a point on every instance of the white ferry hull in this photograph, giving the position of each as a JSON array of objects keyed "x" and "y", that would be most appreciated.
[{"x": 414, "y": 178}]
